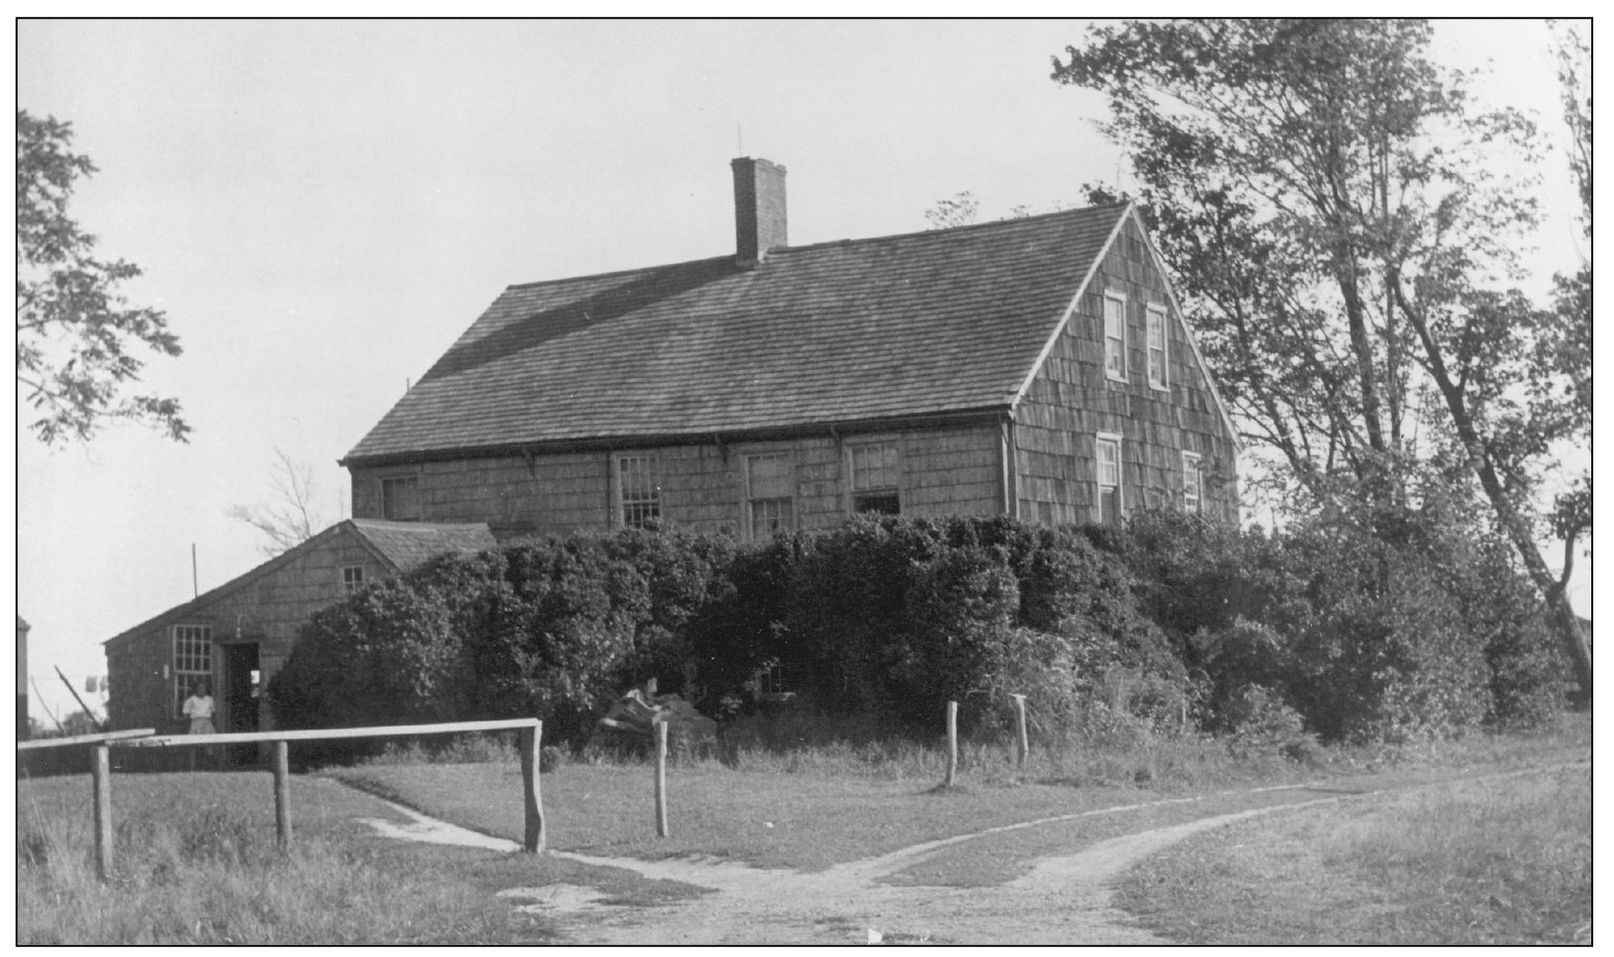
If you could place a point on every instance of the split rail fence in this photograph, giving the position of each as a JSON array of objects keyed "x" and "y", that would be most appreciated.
[{"x": 531, "y": 730}]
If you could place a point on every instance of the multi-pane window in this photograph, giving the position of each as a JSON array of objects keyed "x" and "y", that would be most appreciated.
[
  {"x": 770, "y": 491},
  {"x": 1115, "y": 336},
  {"x": 1157, "y": 347},
  {"x": 874, "y": 479},
  {"x": 193, "y": 661},
  {"x": 1109, "y": 479},
  {"x": 638, "y": 492},
  {"x": 400, "y": 498},
  {"x": 352, "y": 577},
  {"x": 1193, "y": 487}
]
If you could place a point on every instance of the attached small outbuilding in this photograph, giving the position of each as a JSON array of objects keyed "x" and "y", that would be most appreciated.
[{"x": 239, "y": 634}]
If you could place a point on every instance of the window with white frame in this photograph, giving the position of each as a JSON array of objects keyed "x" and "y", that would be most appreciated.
[
  {"x": 770, "y": 495},
  {"x": 1109, "y": 478},
  {"x": 875, "y": 473},
  {"x": 352, "y": 578},
  {"x": 1157, "y": 347},
  {"x": 1115, "y": 336},
  {"x": 1193, "y": 483},
  {"x": 400, "y": 498},
  {"x": 193, "y": 661},
  {"x": 638, "y": 491}
]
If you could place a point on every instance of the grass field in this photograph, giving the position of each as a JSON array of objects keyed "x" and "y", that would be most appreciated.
[
  {"x": 196, "y": 860},
  {"x": 1473, "y": 862}
]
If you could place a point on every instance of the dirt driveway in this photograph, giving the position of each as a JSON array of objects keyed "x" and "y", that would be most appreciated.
[{"x": 1062, "y": 899}]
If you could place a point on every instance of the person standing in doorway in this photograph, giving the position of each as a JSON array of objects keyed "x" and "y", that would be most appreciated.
[{"x": 199, "y": 708}]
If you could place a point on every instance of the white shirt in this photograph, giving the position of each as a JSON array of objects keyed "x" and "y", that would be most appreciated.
[{"x": 198, "y": 707}]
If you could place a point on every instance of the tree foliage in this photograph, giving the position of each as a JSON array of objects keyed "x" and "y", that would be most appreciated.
[
  {"x": 1325, "y": 195},
  {"x": 76, "y": 334}
]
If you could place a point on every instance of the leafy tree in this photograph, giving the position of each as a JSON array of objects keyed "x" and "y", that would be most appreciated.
[
  {"x": 1323, "y": 192},
  {"x": 75, "y": 332},
  {"x": 294, "y": 516}
]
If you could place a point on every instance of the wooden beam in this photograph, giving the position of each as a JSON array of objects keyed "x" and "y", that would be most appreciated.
[
  {"x": 282, "y": 795},
  {"x": 532, "y": 840},
  {"x": 661, "y": 778},
  {"x": 101, "y": 784},
  {"x": 952, "y": 743},
  {"x": 203, "y": 740},
  {"x": 85, "y": 739}
]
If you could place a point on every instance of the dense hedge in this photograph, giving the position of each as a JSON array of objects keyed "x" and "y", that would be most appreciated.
[{"x": 1415, "y": 632}]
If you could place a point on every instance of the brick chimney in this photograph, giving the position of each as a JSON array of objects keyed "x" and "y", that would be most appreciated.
[{"x": 759, "y": 210}]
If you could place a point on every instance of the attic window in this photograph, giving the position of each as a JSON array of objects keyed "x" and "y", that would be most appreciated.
[
  {"x": 1115, "y": 336},
  {"x": 874, "y": 479},
  {"x": 400, "y": 498},
  {"x": 637, "y": 493},
  {"x": 1109, "y": 478},
  {"x": 770, "y": 493},
  {"x": 352, "y": 578},
  {"x": 1157, "y": 347}
]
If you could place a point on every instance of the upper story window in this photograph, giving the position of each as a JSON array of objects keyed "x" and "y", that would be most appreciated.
[
  {"x": 1193, "y": 483},
  {"x": 1115, "y": 336},
  {"x": 1157, "y": 347},
  {"x": 875, "y": 473},
  {"x": 352, "y": 578},
  {"x": 770, "y": 495},
  {"x": 193, "y": 661},
  {"x": 638, "y": 491},
  {"x": 400, "y": 498},
  {"x": 1109, "y": 478}
]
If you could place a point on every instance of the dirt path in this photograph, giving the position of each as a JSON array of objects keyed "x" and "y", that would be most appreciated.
[{"x": 1064, "y": 899}]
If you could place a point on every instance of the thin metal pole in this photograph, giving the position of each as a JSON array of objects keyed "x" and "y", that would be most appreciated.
[
  {"x": 952, "y": 742},
  {"x": 101, "y": 775},
  {"x": 282, "y": 795},
  {"x": 661, "y": 779}
]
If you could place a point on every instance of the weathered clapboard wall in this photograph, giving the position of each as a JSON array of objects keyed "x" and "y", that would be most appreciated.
[
  {"x": 944, "y": 470},
  {"x": 1071, "y": 401},
  {"x": 264, "y": 609}
]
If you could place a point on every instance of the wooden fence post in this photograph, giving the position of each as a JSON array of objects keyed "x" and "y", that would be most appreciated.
[
  {"x": 282, "y": 767},
  {"x": 952, "y": 742},
  {"x": 532, "y": 840},
  {"x": 661, "y": 778},
  {"x": 1022, "y": 742},
  {"x": 101, "y": 774}
]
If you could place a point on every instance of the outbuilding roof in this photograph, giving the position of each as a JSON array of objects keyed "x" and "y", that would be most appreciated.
[
  {"x": 933, "y": 323},
  {"x": 399, "y": 545}
]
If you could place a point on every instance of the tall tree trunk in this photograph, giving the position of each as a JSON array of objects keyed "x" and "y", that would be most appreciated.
[{"x": 1513, "y": 522}]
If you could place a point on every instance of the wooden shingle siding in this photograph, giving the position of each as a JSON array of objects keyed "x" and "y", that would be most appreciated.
[
  {"x": 1071, "y": 400},
  {"x": 945, "y": 471}
]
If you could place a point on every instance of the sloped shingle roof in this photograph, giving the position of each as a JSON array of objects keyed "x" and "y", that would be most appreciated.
[
  {"x": 918, "y": 324},
  {"x": 402, "y": 544}
]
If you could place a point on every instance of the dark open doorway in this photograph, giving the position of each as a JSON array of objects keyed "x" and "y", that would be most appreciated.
[{"x": 242, "y": 680}]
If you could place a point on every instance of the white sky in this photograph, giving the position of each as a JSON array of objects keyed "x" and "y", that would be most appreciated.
[{"x": 321, "y": 209}]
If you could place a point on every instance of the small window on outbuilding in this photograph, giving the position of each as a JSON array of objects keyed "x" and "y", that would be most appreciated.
[
  {"x": 352, "y": 578},
  {"x": 193, "y": 661},
  {"x": 875, "y": 479},
  {"x": 400, "y": 498}
]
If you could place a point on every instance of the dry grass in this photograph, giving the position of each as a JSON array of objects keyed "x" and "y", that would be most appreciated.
[{"x": 1497, "y": 861}]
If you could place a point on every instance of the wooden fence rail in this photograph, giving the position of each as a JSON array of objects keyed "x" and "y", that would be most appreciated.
[{"x": 531, "y": 731}]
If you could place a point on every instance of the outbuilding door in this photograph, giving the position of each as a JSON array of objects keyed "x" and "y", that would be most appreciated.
[{"x": 241, "y": 681}]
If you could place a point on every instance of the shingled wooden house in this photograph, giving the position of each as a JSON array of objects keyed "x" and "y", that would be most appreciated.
[
  {"x": 1037, "y": 367},
  {"x": 239, "y": 634}
]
